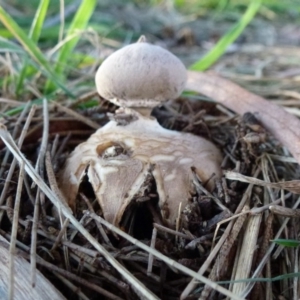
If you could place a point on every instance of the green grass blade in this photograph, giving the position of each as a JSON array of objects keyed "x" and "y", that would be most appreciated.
[
  {"x": 38, "y": 21},
  {"x": 22, "y": 77},
  {"x": 31, "y": 48},
  {"x": 8, "y": 46},
  {"x": 34, "y": 34},
  {"x": 79, "y": 22},
  {"x": 228, "y": 38},
  {"x": 286, "y": 242},
  {"x": 221, "y": 5}
]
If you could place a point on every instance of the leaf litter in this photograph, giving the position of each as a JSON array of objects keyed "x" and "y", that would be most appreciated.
[{"x": 151, "y": 260}]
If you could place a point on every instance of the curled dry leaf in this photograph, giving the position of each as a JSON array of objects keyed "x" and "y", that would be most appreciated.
[
  {"x": 119, "y": 160},
  {"x": 284, "y": 126}
]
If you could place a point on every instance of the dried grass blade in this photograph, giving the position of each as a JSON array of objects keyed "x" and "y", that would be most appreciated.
[
  {"x": 80, "y": 280},
  {"x": 12, "y": 247},
  {"x": 292, "y": 186},
  {"x": 223, "y": 254},
  {"x": 139, "y": 287},
  {"x": 165, "y": 259},
  {"x": 54, "y": 146},
  {"x": 10, "y": 102},
  {"x": 285, "y": 211},
  {"x": 99, "y": 226},
  {"x": 283, "y": 158},
  {"x": 247, "y": 252},
  {"x": 266, "y": 171},
  {"x": 15, "y": 131},
  {"x": 171, "y": 231},
  {"x": 235, "y": 265},
  {"x": 13, "y": 164},
  {"x": 71, "y": 286},
  {"x": 262, "y": 251},
  {"x": 40, "y": 169},
  {"x": 200, "y": 188},
  {"x": 52, "y": 180},
  {"x": 283, "y": 125},
  {"x": 43, "y": 148},
  {"x": 77, "y": 116},
  {"x": 264, "y": 260},
  {"x": 63, "y": 223},
  {"x": 152, "y": 245},
  {"x": 34, "y": 239},
  {"x": 62, "y": 233}
]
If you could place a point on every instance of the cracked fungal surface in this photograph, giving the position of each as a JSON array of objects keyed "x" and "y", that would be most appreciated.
[{"x": 119, "y": 159}]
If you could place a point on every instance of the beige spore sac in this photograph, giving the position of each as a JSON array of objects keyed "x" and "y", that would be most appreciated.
[{"x": 141, "y": 75}]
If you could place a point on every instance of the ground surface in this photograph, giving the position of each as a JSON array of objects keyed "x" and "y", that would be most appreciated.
[{"x": 264, "y": 60}]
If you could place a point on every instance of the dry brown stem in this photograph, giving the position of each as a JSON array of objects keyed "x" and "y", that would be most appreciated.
[
  {"x": 222, "y": 258},
  {"x": 152, "y": 245},
  {"x": 75, "y": 278},
  {"x": 283, "y": 125},
  {"x": 262, "y": 251},
  {"x": 34, "y": 238},
  {"x": 285, "y": 211},
  {"x": 12, "y": 247},
  {"x": 76, "y": 115},
  {"x": 292, "y": 186},
  {"x": 71, "y": 286},
  {"x": 247, "y": 252}
]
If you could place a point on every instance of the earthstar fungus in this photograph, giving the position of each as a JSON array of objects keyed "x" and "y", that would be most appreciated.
[{"x": 132, "y": 149}]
